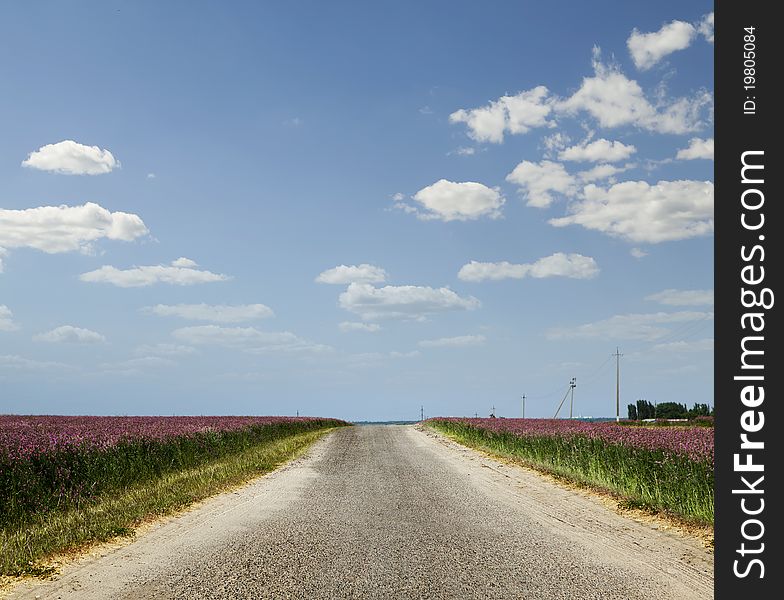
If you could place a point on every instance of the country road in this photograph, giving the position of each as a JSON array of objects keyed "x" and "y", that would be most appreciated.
[{"x": 393, "y": 512}]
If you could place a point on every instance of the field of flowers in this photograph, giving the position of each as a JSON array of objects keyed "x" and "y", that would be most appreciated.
[
  {"x": 58, "y": 463},
  {"x": 664, "y": 468}
]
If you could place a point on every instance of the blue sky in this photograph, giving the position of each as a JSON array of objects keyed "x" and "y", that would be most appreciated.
[{"x": 354, "y": 209}]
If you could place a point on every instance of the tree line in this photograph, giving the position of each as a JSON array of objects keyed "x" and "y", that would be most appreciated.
[{"x": 667, "y": 410}]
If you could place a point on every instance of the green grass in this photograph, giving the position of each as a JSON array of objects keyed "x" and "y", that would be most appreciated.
[
  {"x": 650, "y": 479},
  {"x": 26, "y": 543}
]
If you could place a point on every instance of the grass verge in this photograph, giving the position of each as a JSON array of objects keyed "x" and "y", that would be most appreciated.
[
  {"x": 653, "y": 481},
  {"x": 24, "y": 546}
]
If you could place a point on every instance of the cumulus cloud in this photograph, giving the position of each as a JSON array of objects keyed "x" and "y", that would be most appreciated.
[
  {"x": 71, "y": 158},
  {"x": 402, "y": 302},
  {"x": 602, "y": 171},
  {"x": 345, "y": 274},
  {"x": 554, "y": 143},
  {"x": 68, "y": 334},
  {"x": 184, "y": 262},
  {"x": 216, "y": 313},
  {"x": 248, "y": 339},
  {"x": 355, "y": 326},
  {"x": 647, "y": 49},
  {"x": 646, "y": 326},
  {"x": 513, "y": 114},
  {"x": 614, "y": 101},
  {"x": 55, "y": 229},
  {"x": 149, "y": 275},
  {"x": 673, "y": 297},
  {"x": 638, "y": 253},
  {"x": 6, "y": 319},
  {"x": 537, "y": 181},
  {"x": 459, "y": 341},
  {"x": 698, "y": 148},
  {"x": 601, "y": 150},
  {"x": 705, "y": 27},
  {"x": 640, "y": 212},
  {"x": 3, "y": 254},
  {"x": 574, "y": 266},
  {"x": 455, "y": 201}
]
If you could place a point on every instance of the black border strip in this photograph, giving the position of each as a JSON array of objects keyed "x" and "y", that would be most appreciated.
[{"x": 741, "y": 128}]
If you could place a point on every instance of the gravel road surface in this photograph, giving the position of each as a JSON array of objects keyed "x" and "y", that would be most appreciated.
[{"x": 393, "y": 512}]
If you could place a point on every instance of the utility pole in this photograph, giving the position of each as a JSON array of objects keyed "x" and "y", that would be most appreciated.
[
  {"x": 617, "y": 356},
  {"x": 572, "y": 385},
  {"x": 523, "y": 406}
]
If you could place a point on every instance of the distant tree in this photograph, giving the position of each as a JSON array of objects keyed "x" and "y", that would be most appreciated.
[
  {"x": 632, "y": 412},
  {"x": 645, "y": 410},
  {"x": 699, "y": 410},
  {"x": 671, "y": 410}
]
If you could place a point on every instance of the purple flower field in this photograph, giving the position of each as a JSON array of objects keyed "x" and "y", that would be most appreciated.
[
  {"x": 663, "y": 468},
  {"x": 25, "y": 437},
  {"x": 693, "y": 442},
  {"x": 60, "y": 462}
]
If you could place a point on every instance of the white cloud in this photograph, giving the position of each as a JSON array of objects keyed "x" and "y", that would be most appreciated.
[
  {"x": 614, "y": 100},
  {"x": 640, "y": 212},
  {"x": 402, "y": 302},
  {"x": 465, "y": 151},
  {"x": 164, "y": 349},
  {"x": 575, "y": 266},
  {"x": 216, "y": 313},
  {"x": 68, "y": 334},
  {"x": 602, "y": 171},
  {"x": 647, "y": 49},
  {"x": 345, "y": 274},
  {"x": 554, "y": 143},
  {"x": 248, "y": 339},
  {"x": 151, "y": 176},
  {"x": 512, "y": 114},
  {"x": 354, "y": 326},
  {"x": 184, "y": 262},
  {"x": 538, "y": 180},
  {"x": 698, "y": 148},
  {"x": 6, "y": 319},
  {"x": 459, "y": 341},
  {"x": 71, "y": 158},
  {"x": 638, "y": 253},
  {"x": 149, "y": 275},
  {"x": 452, "y": 201},
  {"x": 683, "y": 297},
  {"x": 647, "y": 326},
  {"x": 55, "y": 229},
  {"x": 3, "y": 254},
  {"x": 705, "y": 27},
  {"x": 601, "y": 150}
]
